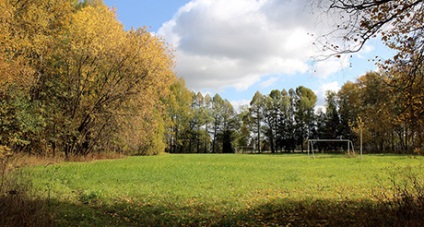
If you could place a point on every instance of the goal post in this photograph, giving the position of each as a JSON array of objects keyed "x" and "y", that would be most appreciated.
[{"x": 348, "y": 142}]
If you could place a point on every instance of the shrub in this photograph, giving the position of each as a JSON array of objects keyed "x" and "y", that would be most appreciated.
[
  {"x": 404, "y": 199},
  {"x": 18, "y": 204}
]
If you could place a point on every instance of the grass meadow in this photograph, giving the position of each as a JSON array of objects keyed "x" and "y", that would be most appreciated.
[{"x": 233, "y": 190}]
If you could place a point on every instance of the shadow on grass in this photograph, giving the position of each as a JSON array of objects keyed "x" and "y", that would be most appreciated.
[
  {"x": 20, "y": 210},
  {"x": 281, "y": 212},
  {"x": 329, "y": 213}
]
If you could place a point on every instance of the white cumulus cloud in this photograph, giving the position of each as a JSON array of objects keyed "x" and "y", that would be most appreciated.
[{"x": 233, "y": 44}]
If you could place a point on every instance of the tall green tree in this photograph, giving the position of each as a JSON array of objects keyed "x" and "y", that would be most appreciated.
[
  {"x": 229, "y": 120},
  {"x": 208, "y": 121},
  {"x": 243, "y": 135},
  {"x": 217, "y": 121},
  {"x": 286, "y": 124},
  {"x": 272, "y": 114},
  {"x": 333, "y": 123},
  {"x": 179, "y": 114},
  {"x": 305, "y": 101},
  {"x": 198, "y": 120},
  {"x": 349, "y": 103},
  {"x": 257, "y": 106}
]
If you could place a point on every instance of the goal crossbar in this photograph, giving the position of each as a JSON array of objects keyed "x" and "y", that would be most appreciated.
[{"x": 312, "y": 141}]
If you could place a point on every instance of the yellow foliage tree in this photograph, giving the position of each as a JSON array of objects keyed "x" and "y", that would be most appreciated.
[{"x": 90, "y": 85}]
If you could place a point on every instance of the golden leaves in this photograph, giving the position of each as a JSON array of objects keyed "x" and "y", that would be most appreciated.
[
  {"x": 95, "y": 32},
  {"x": 94, "y": 75}
]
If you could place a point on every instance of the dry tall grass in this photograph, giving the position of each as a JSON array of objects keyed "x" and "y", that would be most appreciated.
[{"x": 19, "y": 203}]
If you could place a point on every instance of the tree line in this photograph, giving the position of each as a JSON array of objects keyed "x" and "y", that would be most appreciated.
[
  {"x": 73, "y": 81},
  {"x": 283, "y": 121}
]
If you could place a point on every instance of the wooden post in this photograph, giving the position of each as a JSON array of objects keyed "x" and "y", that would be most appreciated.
[{"x": 360, "y": 140}]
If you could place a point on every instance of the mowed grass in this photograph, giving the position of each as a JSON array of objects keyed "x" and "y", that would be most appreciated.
[{"x": 210, "y": 189}]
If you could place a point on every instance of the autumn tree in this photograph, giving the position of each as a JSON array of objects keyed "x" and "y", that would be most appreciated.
[
  {"x": 406, "y": 81},
  {"x": 399, "y": 24},
  {"x": 359, "y": 21},
  {"x": 31, "y": 37},
  {"x": 86, "y": 83},
  {"x": 111, "y": 72},
  {"x": 371, "y": 106}
]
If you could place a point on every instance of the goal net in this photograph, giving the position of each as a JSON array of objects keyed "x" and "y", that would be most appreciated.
[{"x": 313, "y": 143}]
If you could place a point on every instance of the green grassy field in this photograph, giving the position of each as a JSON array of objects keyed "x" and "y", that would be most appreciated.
[{"x": 199, "y": 190}]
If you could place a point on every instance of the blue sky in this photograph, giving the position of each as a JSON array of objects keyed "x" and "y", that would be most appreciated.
[{"x": 238, "y": 47}]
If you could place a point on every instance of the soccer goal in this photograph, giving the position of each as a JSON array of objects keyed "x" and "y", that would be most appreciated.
[{"x": 349, "y": 144}]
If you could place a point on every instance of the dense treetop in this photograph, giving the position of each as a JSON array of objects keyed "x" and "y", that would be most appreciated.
[{"x": 73, "y": 80}]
